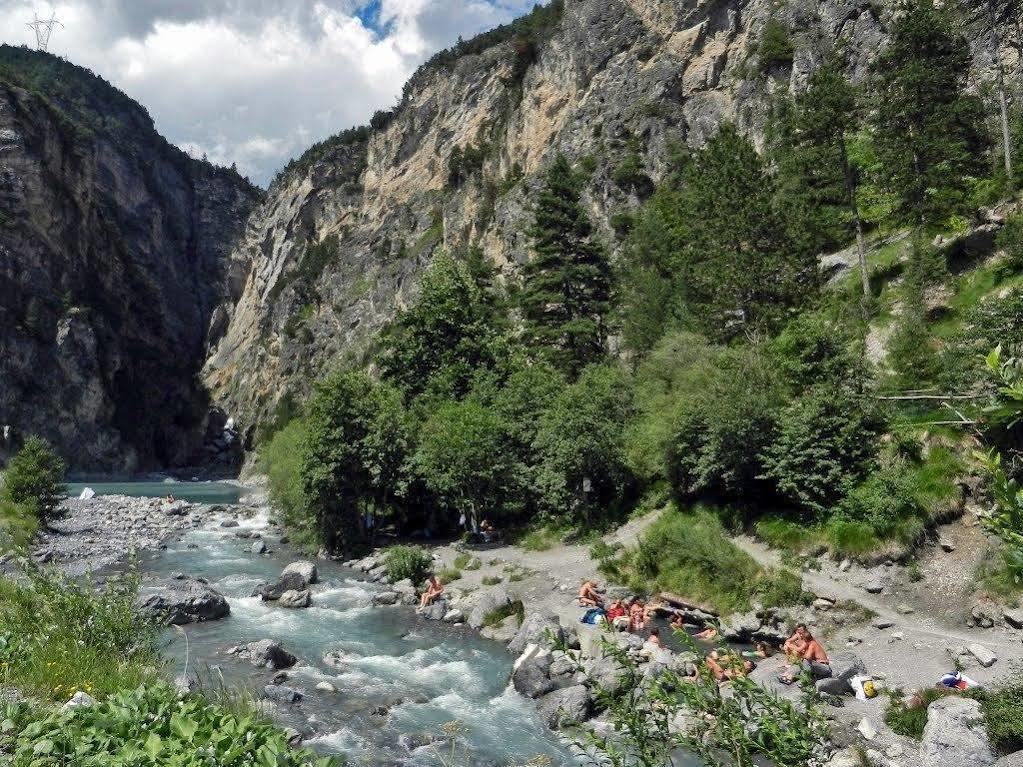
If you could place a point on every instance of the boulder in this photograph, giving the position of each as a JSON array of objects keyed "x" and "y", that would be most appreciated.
[
  {"x": 567, "y": 707},
  {"x": 503, "y": 631},
  {"x": 386, "y": 598},
  {"x": 1013, "y": 618},
  {"x": 454, "y": 616},
  {"x": 326, "y": 687},
  {"x": 486, "y": 602},
  {"x": 295, "y": 599},
  {"x": 981, "y": 615},
  {"x": 258, "y": 547},
  {"x": 278, "y": 693},
  {"x": 955, "y": 736},
  {"x": 435, "y": 611},
  {"x": 875, "y": 586},
  {"x": 541, "y": 629},
  {"x": 229, "y": 523},
  {"x": 187, "y": 600},
  {"x": 833, "y": 686},
  {"x": 740, "y": 627},
  {"x": 304, "y": 568},
  {"x": 607, "y": 674},
  {"x": 271, "y": 592},
  {"x": 867, "y": 729},
  {"x": 267, "y": 653},
  {"x": 845, "y": 665},
  {"x": 984, "y": 656},
  {"x": 79, "y": 700},
  {"x": 531, "y": 675}
]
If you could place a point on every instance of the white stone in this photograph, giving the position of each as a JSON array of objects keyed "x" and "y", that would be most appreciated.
[
  {"x": 984, "y": 656},
  {"x": 894, "y": 751},
  {"x": 867, "y": 729},
  {"x": 79, "y": 700},
  {"x": 325, "y": 687}
]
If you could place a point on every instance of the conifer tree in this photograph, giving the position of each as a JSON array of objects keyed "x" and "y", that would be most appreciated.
[
  {"x": 929, "y": 131},
  {"x": 740, "y": 267},
  {"x": 566, "y": 295},
  {"x": 818, "y": 181}
]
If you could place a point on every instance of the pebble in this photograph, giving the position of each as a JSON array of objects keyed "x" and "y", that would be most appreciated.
[
  {"x": 845, "y": 566},
  {"x": 905, "y": 610},
  {"x": 894, "y": 751},
  {"x": 947, "y": 546},
  {"x": 897, "y": 636},
  {"x": 882, "y": 623}
]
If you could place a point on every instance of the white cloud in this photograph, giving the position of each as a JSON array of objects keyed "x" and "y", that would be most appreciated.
[{"x": 254, "y": 82}]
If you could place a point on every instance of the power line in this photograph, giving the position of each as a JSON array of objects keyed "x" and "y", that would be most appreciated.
[{"x": 43, "y": 29}]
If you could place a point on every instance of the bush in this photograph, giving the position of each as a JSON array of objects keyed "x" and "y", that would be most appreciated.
[
  {"x": 776, "y": 48},
  {"x": 149, "y": 725},
  {"x": 826, "y": 441},
  {"x": 1010, "y": 239},
  {"x": 723, "y": 427},
  {"x": 35, "y": 478},
  {"x": 491, "y": 580},
  {"x": 448, "y": 575},
  {"x": 57, "y": 636},
  {"x": 281, "y": 460},
  {"x": 812, "y": 350},
  {"x": 409, "y": 562}
]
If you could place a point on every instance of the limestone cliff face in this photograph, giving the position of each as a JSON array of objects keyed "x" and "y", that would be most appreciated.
[
  {"x": 339, "y": 243},
  {"x": 115, "y": 250}
]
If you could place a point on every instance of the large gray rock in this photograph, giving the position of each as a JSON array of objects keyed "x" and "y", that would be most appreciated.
[
  {"x": 531, "y": 676},
  {"x": 1014, "y": 618},
  {"x": 295, "y": 599},
  {"x": 844, "y": 666},
  {"x": 541, "y": 629},
  {"x": 278, "y": 693},
  {"x": 607, "y": 674},
  {"x": 566, "y": 707},
  {"x": 955, "y": 736},
  {"x": 485, "y": 602},
  {"x": 267, "y": 653},
  {"x": 435, "y": 611},
  {"x": 740, "y": 627},
  {"x": 292, "y": 581},
  {"x": 187, "y": 600},
  {"x": 305, "y": 569}
]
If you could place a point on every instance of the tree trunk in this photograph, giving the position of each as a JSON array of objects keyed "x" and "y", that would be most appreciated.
[
  {"x": 996, "y": 52},
  {"x": 850, "y": 194}
]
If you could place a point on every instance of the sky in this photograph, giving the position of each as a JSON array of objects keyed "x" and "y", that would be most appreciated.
[{"x": 255, "y": 82}]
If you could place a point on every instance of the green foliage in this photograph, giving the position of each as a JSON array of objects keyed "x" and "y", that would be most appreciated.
[
  {"x": 34, "y": 479},
  {"x": 448, "y": 575},
  {"x": 491, "y": 580},
  {"x": 499, "y": 615},
  {"x": 1003, "y": 712},
  {"x": 928, "y": 131},
  {"x": 58, "y": 635},
  {"x": 722, "y": 426},
  {"x": 739, "y": 270},
  {"x": 449, "y": 329},
  {"x": 908, "y": 718},
  {"x": 776, "y": 48},
  {"x": 150, "y": 725},
  {"x": 1006, "y": 520},
  {"x": 409, "y": 562},
  {"x": 281, "y": 459},
  {"x": 566, "y": 295},
  {"x": 18, "y": 525},
  {"x": 580, "y": 447},
  {"x": 1010, "y": 240},
  {"x": 462, "y": 458},
  {"x": 691, "y": 554},
  {"x": 813, "y": 350},
  {"x": 825, "y": 443}
]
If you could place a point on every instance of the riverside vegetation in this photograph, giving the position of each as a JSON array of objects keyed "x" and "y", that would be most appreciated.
[{"x": 740, "y": 386}]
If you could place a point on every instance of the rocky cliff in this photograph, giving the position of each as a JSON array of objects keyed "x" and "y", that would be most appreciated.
[
  {"x": 116, "y": 249},
  {"x": 617, "y": 85}
]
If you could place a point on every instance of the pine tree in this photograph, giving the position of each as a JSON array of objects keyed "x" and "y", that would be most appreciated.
[
  {"x": 818, "y": 181},
  {"x": 740, "y": 267},
  {"x": 928, "y": 131},
  {"x": 566, "y": 294}
]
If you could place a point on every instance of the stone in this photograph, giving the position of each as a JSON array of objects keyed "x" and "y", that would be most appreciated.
[
  {"x": 875, "y": 586},
  {"x": 486, "y": 602},
  {"x": 607, "y": 674},
  {"x": 982, "y": 617},
  {"x": 955, "y": 735},
  {"x": 188, "y": 600},
  {"x": 823, "y": 604},
  {"x": 454, "y": 616},
  {"x": 740, "y": 627},
  {"x": 304, "y": 568},
  {"x": 268, "y": 653},
  {"x": 295, "y": 599},
  {"x": 435, "y": 611},
  {"x": 882, "y": 623},
  {"x": 258, "y": 547},
  {"x": 566, "y": 707},
  {"x": 503, "y": 632},
  {"x": 833, "y": 686},
  {"x": 79, "y": 700},
  {"x": 845, "y": 566},
  {"x": 326, "y": 687},
  {"x": 287, "y": 582},
  {"x": 867, "y": 729},
  {"x": 530, "y": 676},
  {"x": 905, "y": 610},
  {"x": 386, "y": 598},
  {"x": 1013, "y": 618},
  {"x": 229, "y": 523},
  {"x": 946, "y": 545},
  {"x": 278, "y": 693},
  {"x": 984, "y": 656},
  {"x": 894, "y": 751},
  {"x": 543, "y": 630}
]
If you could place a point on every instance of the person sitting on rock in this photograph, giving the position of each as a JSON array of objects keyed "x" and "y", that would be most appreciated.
[
  {"x": 617, "y": 615},
  {"x": 637, "y": 616},
  {"x": 708, "y": 633},
  {"x": 805, "y": 653},
  {"x": 434, "y": 588},
  {"x": 589, "y": 596}
]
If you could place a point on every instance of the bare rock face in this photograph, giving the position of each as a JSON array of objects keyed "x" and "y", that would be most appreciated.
[{"x": 115, "y": 249}]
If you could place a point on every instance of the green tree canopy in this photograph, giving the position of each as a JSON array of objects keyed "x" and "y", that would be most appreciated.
[
  {"x": 34, "y": 478},
  {"x": 566, "y": 295}
]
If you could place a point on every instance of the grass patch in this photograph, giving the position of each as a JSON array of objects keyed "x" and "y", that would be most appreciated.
[
  {"x": 491, "y": 580},
  {"x": 58, "y": 636},
  {"x": 541, "y": 539},
  {"x": 448, "y": 575},
  {"x": 908, "y": 717},
  {"x": 18, "y": 526},
  {"x": 499, "y": 615},
  {"x": 690, "y": 554},
  {"x": 467, "y": 562}
]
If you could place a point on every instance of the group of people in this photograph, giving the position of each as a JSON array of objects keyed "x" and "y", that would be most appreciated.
[{"x": 802, "y": 651}]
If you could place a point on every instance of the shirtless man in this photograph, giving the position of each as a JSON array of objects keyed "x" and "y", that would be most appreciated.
[
  {"x": 804, "y": 651},
  {"x": 588, "y": 596}
]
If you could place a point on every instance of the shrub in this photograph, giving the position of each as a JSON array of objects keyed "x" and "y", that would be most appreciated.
[
  {"x": 281, "y": 460},
  {"x": 1003, "y": 712},
  {"x": 409, "y": 562},
  {"x": 1010, "y": 239},
  {"x": 35, "y": 478},
  {"x": 448, "y": 575},
  {"x": 148, "y": 725},
  {"x": 776, "y": 48},
  {"x": 908, "y": 718},
  {"x": 812, "y": 350},
  {"x": 58, "y": 635},
  {"x": 826, "y": 440},
  {"x": 491, "y": 580}
]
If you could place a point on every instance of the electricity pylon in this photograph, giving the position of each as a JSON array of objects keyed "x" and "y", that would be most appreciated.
[{"x": 43, "y": 29}]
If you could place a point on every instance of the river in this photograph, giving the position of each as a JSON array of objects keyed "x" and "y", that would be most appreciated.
[{"x": 424, "y": 674}]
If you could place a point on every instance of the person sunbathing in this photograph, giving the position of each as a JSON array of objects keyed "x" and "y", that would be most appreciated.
[
  {"x": 707, "y": 634},
  {"x": 589, "y": 596},
  {"x": 804, "y": 653},
  {"x": 637, "y": 616},
  {"x": 433, "y": 590},
  {"x": 725, "y": 665},
  {"x": 617, "y": 615}
]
